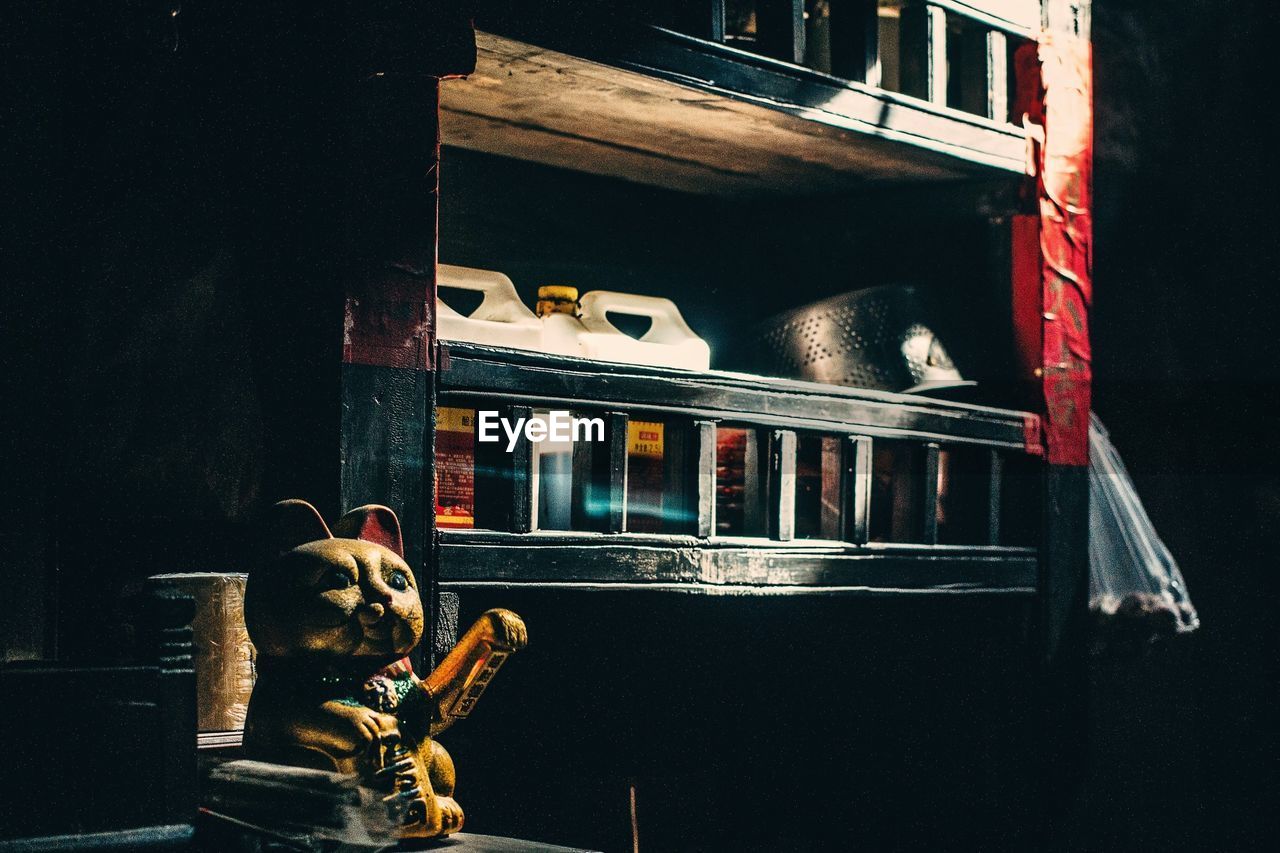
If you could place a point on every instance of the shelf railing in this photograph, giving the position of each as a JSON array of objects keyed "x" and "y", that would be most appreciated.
[
  {"x": 703, "y": 482},
  {"x": 951, "y": 53}
]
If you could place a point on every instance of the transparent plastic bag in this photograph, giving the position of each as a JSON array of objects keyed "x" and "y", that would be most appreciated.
[{"x": 1136, "y": 592}]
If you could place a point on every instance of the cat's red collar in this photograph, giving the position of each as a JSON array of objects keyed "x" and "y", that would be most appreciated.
[{"x": 398, "y": 669}]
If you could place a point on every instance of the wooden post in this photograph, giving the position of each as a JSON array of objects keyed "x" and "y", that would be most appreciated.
[
  {"x": 388, "y": 419},
  {"x": 1053, "y": 292},
  {"x": 401, "y": 50},
  {"x": 1053, "y": 276}
]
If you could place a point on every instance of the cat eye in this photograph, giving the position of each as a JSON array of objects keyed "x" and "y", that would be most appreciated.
[
  {"x": 335, "y": 579},
  {"x": 398, "y": 581}
]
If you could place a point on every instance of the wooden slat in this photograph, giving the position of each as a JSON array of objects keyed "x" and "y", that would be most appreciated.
[
  {"x": 782, "y": 485},
  {"x": 995, "y": 497},
  {"x": 856, "y": 490},
  {"x": 717, "y": 20},
  {"x": 867, "y": 28},
  {"x": 997, "y": 76},
  {"x": 616, "y": 436},
  {"x": 705, "y": 445},
  {"x": 936, "y": 24},
  {"x": 523, "y": 505},
  {"x": 929, "y": 491}
]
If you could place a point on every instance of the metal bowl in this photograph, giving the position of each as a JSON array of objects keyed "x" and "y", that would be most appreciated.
[{"x": 879, "y": 338}]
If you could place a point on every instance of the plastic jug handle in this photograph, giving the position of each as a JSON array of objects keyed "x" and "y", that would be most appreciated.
[
  {"x": 668, "y": 326},
  {"x": 501, "y": 303}
]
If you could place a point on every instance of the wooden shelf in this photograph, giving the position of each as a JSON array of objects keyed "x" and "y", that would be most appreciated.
[{"x": 677, "y": 112}]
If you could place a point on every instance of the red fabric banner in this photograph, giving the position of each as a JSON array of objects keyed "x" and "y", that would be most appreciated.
[{"x": 1060, "y": 156}]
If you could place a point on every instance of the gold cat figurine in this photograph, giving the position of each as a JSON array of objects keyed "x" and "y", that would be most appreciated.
[{"x": 333, "y": 620}]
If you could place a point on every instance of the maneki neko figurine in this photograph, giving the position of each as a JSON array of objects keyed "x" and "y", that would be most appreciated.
[{"x": 333, "y": 617}]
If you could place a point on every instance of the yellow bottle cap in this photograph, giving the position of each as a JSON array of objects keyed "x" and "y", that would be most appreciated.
[
  {"x": 558, "y": 291},
  {"x": 557, "y": 299}
]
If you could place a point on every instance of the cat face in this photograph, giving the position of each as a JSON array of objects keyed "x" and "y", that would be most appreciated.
[{"x": 345, "y": 597}]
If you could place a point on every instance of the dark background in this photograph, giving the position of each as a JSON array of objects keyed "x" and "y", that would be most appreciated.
[{"x": 1181, "y": 756}]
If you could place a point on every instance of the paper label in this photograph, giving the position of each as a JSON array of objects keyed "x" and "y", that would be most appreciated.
[{"x": 455, "y": 467}]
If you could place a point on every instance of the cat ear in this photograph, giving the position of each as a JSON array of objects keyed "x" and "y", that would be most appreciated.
[
  {"x": 372, "y": 523},
  {"x": 293, "y": 523}
]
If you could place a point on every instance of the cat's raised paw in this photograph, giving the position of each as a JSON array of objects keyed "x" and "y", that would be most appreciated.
[{"x": 508, "y": 629}]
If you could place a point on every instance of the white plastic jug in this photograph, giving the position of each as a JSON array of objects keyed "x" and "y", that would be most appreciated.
[
  {"x": 669, "y": 342},
  {"x": 501, "y": 319}
]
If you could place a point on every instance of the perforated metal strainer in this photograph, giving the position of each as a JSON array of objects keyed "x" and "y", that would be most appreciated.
[{"x": 878, "y": 338}]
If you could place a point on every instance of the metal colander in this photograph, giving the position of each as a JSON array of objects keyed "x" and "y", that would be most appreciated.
[{"x": 877, "y": 338}]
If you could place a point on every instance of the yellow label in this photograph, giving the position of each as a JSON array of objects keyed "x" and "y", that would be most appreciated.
[
  {"x": 644, "y": 438},
  {"x": 450, "y": 419},
  {"x": 455, "y": 467}
]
